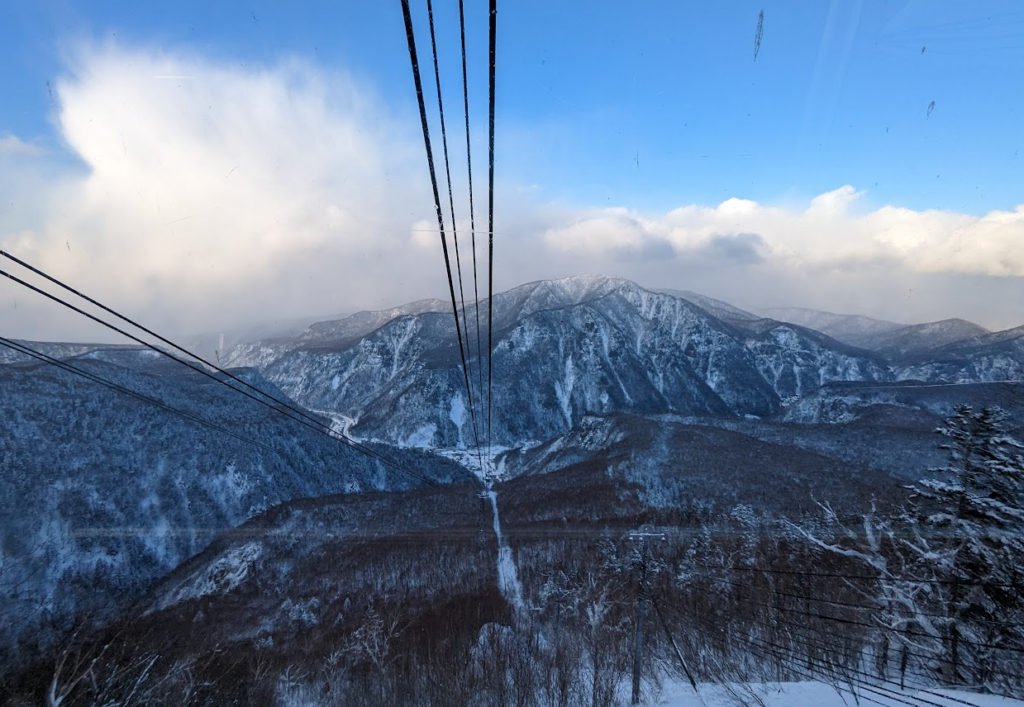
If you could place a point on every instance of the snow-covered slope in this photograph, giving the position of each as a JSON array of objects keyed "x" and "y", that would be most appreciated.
[
  {"x": 675, "y": 464},
  {"x": 330, "y": 333},
  {"x": 722, "y": 310},
  {"x": 102, "y": 493},
  {"x": 362, "y": 323},
  {"x": 797, "y": 361},
  {"x": 56, "y": 350}
]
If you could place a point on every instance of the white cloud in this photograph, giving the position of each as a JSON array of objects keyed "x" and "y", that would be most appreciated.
[{"x": 215, "y": 194}]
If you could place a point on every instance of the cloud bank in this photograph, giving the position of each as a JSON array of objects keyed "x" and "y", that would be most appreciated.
[
  {"x": 829, "y": 234},
  {"x": 209, "y": 195}
]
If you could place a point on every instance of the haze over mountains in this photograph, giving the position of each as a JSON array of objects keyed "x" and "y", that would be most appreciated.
[{"x": 888, "y": 338}]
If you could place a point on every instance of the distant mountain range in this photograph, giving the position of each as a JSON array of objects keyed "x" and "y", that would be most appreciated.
[
  {"x": 852, "y": 329},
  {"x": 888, "y": 338}
]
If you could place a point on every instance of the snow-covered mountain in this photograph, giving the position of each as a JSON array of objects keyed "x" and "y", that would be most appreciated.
[
  {"x": 562, "y": 349},
  {"x": 919, "y": 339},
  {"x": 998, "y": 356},
  {"x": 852, "y": 329},
  {"x": 722, "y": 310},
  {"x": 889, "y": 339},
  {"x": 673, "y": 461},
  {"x": 58, "y": 350},
  {"x": 946, "y": 351},
  {"x": 614, "y": 407}
]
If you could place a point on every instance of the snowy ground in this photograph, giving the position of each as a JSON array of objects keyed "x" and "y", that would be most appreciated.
[
  {"x": 483, "y": 462},
  {"x": 809, "y": 694}
]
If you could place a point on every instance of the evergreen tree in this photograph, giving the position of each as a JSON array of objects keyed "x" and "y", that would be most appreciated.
[
  {"x": 966, "y": 539},
  {"x": 949, "y": 593}
]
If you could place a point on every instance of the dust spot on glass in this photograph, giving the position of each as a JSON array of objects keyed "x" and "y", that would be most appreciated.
[
  {"x": 923, "y": 48},
  {"x": 931, "y": 107},
  {"x": 757, "y": 35}
]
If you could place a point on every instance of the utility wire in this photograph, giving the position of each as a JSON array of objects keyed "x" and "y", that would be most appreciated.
[
  {"x": 414, "y": 60},
  {"x": 472, "y": 215},
  {"x": 451, "y": 205},
  {"x": 162, "y": 339},
  {"x": 865, "y": 607},
  {"x": 868, "y": 680},
  {"x": 780, "y": 652},
  {"x": 763, "y": 653},
  {"x": 872, "y": 578},
  {"x": 447, "y": 166},
  {"x": 768, "y": 605},
  {"x": 855, "y": 622},
  {"x": 65, "y": 366},
  {"x": 783, "y": 653},
  {"x": 813, "y": 638},
  {"x": 672, "y": 641},
  {"x": 493, "y": 33},
  {"x": 286, "y": 409},
  {"x": 301, "y": 413}
]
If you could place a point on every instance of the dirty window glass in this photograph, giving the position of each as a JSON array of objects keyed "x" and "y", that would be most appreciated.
[{"x": 487, "y": 353}]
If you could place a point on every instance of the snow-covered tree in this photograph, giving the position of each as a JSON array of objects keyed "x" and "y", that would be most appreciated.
[
  {"x": 966, "y": 538},
  {"x": 948, "y": 593}
]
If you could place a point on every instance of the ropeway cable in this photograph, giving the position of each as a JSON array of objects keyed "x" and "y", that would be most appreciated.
[
  {"x": 257, "y": 395},
  {"x": 413, "y": 59}
]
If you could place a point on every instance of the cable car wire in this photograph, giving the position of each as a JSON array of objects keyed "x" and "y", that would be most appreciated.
[
  {"x": 493, "y": 32},
  {"x": 472, "y": 214},
  {"x": 414, "y": 61},
  {"x": 258, "y": 395},
  {"x": 65, "y": 366}
]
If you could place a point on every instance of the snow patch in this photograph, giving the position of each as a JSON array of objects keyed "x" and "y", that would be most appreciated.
[
  {"x": 564, "y": 391},
  {"x": 804, "y": 694},
  {"x": 219, "y": 577},
  {"x": 508, "y": 577},
  {"x": 422, "y": 437},
  {"x": 457, "y": 414}
]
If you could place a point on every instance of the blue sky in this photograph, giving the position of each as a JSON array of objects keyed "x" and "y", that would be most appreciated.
[
  {"x": 839, "y": 92},
  {"x": 611, "y": 123}
]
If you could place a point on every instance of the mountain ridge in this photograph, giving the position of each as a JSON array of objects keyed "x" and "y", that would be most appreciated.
[{"x": 563, "y": 348}]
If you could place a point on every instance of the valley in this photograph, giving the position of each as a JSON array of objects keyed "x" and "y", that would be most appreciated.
[{"x": 749, "y": 484}]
